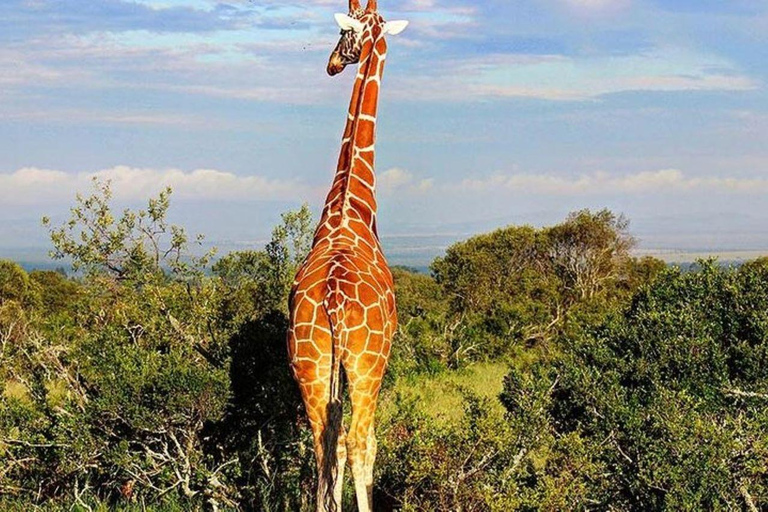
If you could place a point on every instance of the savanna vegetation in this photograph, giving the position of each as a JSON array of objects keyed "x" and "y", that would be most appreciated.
[{"x": 534, "y": 369}]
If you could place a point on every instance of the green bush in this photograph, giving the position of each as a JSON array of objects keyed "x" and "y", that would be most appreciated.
[
  {"x": 57, "y": 293},
  {"x": 121, "y": 389},
  {"x": 523, "y": 286},
  {"x": 467, "y": 465},
  {"x": 16, "y": 286},
  {"x": 669, "y": 398}
]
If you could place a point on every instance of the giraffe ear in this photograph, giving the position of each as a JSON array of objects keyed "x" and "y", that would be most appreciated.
[
  {"x": 347, "y": 22},
  {"x": 395, "y": 27}
]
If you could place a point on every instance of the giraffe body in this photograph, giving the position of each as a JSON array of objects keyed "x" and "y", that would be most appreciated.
[{"x": 343, "y": 312}]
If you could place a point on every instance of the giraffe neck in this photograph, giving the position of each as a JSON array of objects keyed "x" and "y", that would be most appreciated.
[{"x": 352, "y": 198}]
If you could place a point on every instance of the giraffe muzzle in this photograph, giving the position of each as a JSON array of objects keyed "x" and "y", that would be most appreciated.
[{"x": 335, "y": 65}]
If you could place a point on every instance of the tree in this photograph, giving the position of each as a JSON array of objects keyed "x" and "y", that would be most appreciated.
[
  {"x": 19, "y": 297},
  {"x": 423, "y": 339},
  {"x": 588, "y": 251},
  {"x": 115, "y": 394},
  {"x": 260, "y": 281},
  {"x": 418, "y": 294},
  {"x": 523, "y": 284},
  {"x": 477, "y": 272},
  {"x": 57, "y": 292},
  {"x": 15, "y": 286},
  {"x": 264, "y": 420},
  {"x": 137, "y": 245}
]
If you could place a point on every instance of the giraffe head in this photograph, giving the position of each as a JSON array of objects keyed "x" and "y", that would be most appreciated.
[{"x": 357, "y": 28}]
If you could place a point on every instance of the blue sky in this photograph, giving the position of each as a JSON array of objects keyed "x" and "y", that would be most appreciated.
[{"x": 493, "y": 112}]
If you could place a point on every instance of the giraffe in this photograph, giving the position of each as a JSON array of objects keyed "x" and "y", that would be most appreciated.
[{"x": 342, "y": 304}]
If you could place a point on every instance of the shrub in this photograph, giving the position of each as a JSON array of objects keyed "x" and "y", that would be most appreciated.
[{"x": 667, "y": 399}]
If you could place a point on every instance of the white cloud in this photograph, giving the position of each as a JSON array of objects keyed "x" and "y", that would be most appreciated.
[
  {"x": 420, "y": 5},
  {"x": 591, "y": 3},
  {"x": 558, "y": 77},
  {"x": 393, "y": 178},
  {"x": 20, "y": 70},
  {"x": 249, "y": 68},
  {"x": 34, "y": 186},
  {"x": 598, "y": 183},
  {"x": 399, "y": 180},
  {"x": 108, "y": 118},
  {"x": 598, "y": 4}
]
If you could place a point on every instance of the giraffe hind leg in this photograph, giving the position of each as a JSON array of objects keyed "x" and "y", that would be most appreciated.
[
  {"x": 327, "y": 429},
  {"x": 329, "y": 467},
  {"x": 364, "y": 374},
  {"x": 329, "y": 439},
  {"x": 334, "y": 437},
  {"x": 361, "y": 447}
]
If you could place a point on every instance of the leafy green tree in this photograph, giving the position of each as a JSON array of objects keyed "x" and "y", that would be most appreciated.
[
  {"x": 477, "y": 272},
  {"x": 260, "y": 281},
  {"x": 133, "y": 246},
  {"x": 588, "y": 252},
  {"x": 16, "y": 286},
  {"x": 418, "y": 295},
  {"x": 665, "y": 400},
  {"x": 521, "y": 286},
  {"x": 57, "y": 292},
  {"x": 111, "y": 400},
  {"x": 19, "y": 297},
  {"x": 264, "y": 423},
  {"x": 423, "y": 340}
]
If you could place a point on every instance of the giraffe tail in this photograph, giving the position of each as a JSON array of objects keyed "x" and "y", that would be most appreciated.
[{"x": 335, "y": 410}]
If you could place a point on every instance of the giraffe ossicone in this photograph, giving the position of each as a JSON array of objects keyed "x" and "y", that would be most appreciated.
[
  {"x": 347, "y": 22},
  {"x": 342, "y": 305}
]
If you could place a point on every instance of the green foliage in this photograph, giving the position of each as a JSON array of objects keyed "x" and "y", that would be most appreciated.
[
  {"x": 478, "y": 272},
  {"x": 153, "y": 382},
  {"x": 259, "y": 281},
  {"x": 263, "y": 424},
  {"x": 418, "y": 295},
  {"x": 19, "y": 297},
  {"x": 16, "y": 286},
  {"x": 136, "y": 246},
  {"x": 108, "y": 395},
  {"x": 423, "y": 342},
  {"x": 427, "y": 465},
  {"x": 520, "y": 287},
  {"x": 668, "y": 399},
  {"x": 587, "y": 253},
  {"x": 57, "y": 293}
]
